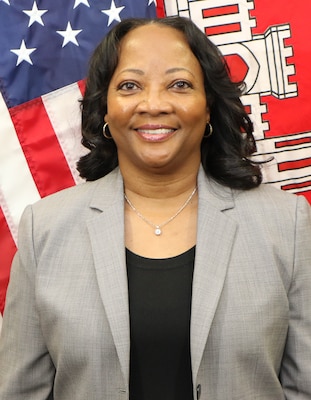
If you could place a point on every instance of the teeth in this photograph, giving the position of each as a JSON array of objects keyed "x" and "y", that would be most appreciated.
[{"x": 160, "y": 131}]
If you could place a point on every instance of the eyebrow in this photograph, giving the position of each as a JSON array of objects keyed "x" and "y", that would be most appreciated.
[
  {"x": 178, "y": 69},
  {"x": 134, "y": 70},
  {"x": 169, "y": 71}
]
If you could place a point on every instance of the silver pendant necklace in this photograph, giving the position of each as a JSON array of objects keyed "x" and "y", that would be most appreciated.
[{"x": 158, "y": 228}]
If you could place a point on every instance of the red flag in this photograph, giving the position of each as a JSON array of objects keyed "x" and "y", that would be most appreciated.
[{"x": 267, "y": 44}]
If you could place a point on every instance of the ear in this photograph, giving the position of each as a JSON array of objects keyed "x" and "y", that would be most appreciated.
[
  {"x": 106, "y": 118},
  {"x": 208, "y": 115}
]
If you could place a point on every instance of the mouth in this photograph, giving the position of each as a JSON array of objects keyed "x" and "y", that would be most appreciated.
[
  {"x": 155, "y": 133},
  {"x": 159, "y": 131}
]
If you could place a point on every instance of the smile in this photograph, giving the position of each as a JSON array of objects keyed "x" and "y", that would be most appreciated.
[
  {"x": 159, "y": 131},
  {"x": 159, "y": 134}
]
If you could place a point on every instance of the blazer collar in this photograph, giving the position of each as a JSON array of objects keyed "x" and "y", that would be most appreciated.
[
  {"x": 215, "y": 238},
  {"x": 108, "y": 191},
  {"x": 213, "y": 194}
]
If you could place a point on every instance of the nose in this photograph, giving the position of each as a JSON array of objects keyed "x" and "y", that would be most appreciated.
[{"x": 154, "y": 102}]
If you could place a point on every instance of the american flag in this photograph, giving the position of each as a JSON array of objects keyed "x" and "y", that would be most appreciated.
[{"x": 44, "y": 51}]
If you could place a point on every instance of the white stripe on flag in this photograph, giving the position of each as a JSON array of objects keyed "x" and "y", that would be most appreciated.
[
  {"x": 17, "y": 187},
  {"x": 63, "y": 109}
]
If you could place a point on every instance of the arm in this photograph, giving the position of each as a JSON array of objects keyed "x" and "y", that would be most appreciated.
[
  {"x": 295, "y": 372},
  {"x": 26, "y": 370}
]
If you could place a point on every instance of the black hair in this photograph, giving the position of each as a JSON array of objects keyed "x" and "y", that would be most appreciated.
[{"x": 224, "y": 155}]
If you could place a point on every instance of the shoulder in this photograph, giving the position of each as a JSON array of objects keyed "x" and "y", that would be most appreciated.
[
  {"x": 265, "y": 204},
  {"x": 267, "y": 198},
  {"x": 273, "y": 212},
  {"x": 79, "y": 195},
  {"x": 263, "y": 200},
  {"x": 74, "y": 203}
]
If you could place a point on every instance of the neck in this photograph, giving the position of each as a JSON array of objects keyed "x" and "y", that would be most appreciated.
[
  {"x": 161, "y": 214},
  {"x": 155, "y": 185}
]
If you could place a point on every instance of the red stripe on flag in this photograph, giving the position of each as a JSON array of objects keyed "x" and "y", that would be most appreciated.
[
  {"x": 7, "y": 251},
  {"x": 81, "y": 85},
  {"x": 41, "y": 147},
  {"x": 292, "y": 142},
  {"x": 160, "y": 9},
  {"x": 220, "y": 29},
  {"x": 217, "y": 11},
  {"x": 293, "y": 186},
  {"x": 296, "y": 164}
]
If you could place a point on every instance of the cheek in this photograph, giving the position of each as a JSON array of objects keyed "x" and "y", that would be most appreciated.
[
  {"x": 118, "y": 112},
  {"x": 197, "y": 113}
]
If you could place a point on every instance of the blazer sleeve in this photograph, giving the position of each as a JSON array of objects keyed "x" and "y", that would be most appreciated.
[
  {"x": 26, "y": 370},
  {"x": 295, "y": 373}
]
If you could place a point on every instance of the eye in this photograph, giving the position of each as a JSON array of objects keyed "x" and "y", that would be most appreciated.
[
  {"x": 128, "y": 86},
  {"x": 181, "y": 85}
]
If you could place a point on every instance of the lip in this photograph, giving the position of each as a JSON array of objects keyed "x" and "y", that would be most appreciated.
[{"x": 155, "y": 133}]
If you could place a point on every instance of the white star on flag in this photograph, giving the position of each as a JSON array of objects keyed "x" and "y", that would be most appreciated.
[
  {"x": 35, "y": 14},
  {"x": 23, "y": 53},
  {"x": 69, "y": 35},
  {"x": 6, "y": 1},
  {"x": 113, "y": 13},
  {"x": 152, "y": 1},
  {"x": 77, "y": 2}
]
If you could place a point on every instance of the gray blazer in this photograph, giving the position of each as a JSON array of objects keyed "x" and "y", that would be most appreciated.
[{"x": 66, "y": 326}]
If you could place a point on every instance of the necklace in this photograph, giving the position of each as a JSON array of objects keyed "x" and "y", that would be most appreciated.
[{"x": 158, "y": 228}]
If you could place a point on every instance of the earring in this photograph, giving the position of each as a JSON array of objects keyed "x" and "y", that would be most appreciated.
[
  {"x": 106, "y": 131},
  {"x": 210, "y": 131}
]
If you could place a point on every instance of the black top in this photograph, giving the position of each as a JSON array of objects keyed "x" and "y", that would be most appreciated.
[{"x": 160, "y": 292}]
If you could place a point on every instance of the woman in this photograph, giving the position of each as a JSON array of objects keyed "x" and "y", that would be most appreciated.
[{"x": 172, "y": 273}]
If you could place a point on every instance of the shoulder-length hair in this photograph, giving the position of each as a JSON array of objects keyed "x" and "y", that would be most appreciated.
[{"x": 224, "y": 155}]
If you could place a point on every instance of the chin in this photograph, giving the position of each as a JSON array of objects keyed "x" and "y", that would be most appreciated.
[{"x": 167, "y": 165}]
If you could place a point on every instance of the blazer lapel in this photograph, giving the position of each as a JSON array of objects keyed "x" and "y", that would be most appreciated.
[
  {"x": 106, "y": 232},
  {"x": 215, "y": 238}
]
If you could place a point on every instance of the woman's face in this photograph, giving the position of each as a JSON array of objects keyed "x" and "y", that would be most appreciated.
[{"x": 156, "y": 104}]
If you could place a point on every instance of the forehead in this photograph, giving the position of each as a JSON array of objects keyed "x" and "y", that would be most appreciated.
[
  {"x": 156, "y": 44},
  {"x": 153, "y": 32}
]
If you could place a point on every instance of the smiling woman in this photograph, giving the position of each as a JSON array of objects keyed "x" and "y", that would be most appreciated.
[
  {"x": 200, "y": 66},
  {"x": 172, "y": 274}
]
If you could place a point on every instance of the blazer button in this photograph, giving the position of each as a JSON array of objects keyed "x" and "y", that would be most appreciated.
[{"x": 198, "y": 392}]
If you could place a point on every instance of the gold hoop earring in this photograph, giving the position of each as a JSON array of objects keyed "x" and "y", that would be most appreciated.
[
  {"x": 210, "y": 131},
  {"x": 106, "y": 131}
]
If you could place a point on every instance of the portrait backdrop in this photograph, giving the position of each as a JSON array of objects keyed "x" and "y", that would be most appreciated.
[{"x": 44, "y": 52}]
